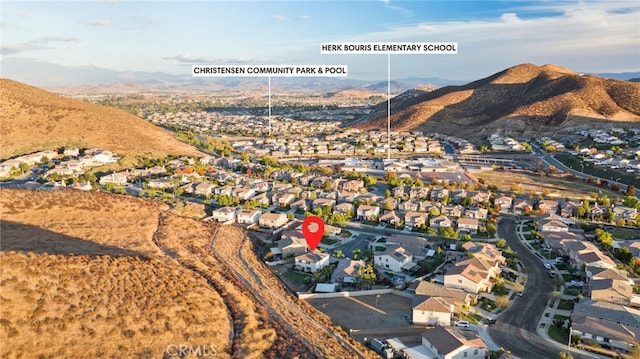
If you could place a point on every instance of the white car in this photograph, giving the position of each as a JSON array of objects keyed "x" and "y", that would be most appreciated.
[
  {"x": 547, "y": 265},
  {"x": 462, "y": 323}
]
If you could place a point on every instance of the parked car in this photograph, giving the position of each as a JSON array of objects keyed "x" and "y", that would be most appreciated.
[
  {"x": 462, "y": 323},
  {"x": 576, "y": 283},
  {"x": 547, "y": 265},
  {"x": 553, "y": 274}
]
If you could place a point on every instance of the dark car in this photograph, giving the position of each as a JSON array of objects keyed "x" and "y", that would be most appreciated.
[{"x": 491, "y": 321}]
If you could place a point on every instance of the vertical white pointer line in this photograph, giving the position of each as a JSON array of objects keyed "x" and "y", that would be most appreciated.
[
  {"x": 269, "y": 106},
  {"x": 389, "y": 106}
]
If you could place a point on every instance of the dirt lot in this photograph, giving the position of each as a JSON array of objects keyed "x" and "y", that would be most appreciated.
[{"x": 365, "y": 312}]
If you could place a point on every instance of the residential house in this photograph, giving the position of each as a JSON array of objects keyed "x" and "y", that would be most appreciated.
[
  {"x": 118, "y": 178},
  {"x": 593, "y": 273},
  {"x": 368, "y": 213},
  {"x": 456, "y": 211},
  {"x": 390, "y": 217},
  {"x": 547, "y": 206},
  {"x": 418, "y": 192},
  {"x": 522, "y": 205},
  {"x": 568, "y": 209},
  {"x": 477, "y": 213},
  {"x": 467, "y": 277},
  {"x": 311, "y": 262},
  {"x": 433, "y": 311},
  {"x": 301, "y": 204},
  {"x": 468, "y": 225},
  {"x": 323, "y": 202},
  {"x": 553, "y": 225},
  {"x": 426, "y": 206},
  {"x": 626, "y": 213},
  {"x": 352, "y": 186},
  {"x": 272, "y": 220},
  {"x": 347, "y": 271},
  {"x": 292, "y": 243},
  {"x": 220, "y": 191},
  {"x": 438, "y": 194},
  {"x": 395, "y": 167},
  {"x": 248, "y": 216},
  {"x": 458, "y": 196},
  {"x": 440, "y": 222},
  {"x": 161, "y": 183},
  {"x": 504, "y": 202},
  {"x": 388, "y": 203},
  {"x": 348, "y": 197},
  {"x": 262, "y": 199},
  {"x": 424, "y": 289},
  {"x": 611, "y": 290},
  {"x": 400, "y": 191},
  {"x": 451, "y": 343},
  {"x": 224, "y": 214},
  {"x": 606, "y": 323},
  {"x": 481, "y": 197},
  {"x": 343, "y": 208},
  {"x": 243, "y": 193},
  {"x": 393, "y": 258},
  {"x": 409, "y": 205},
  {"x": 487, "y": 252},
  {"x": 415, "y": 219},
  {"x": 283, "y": 200},
  {"x": 204, "y": 188}
]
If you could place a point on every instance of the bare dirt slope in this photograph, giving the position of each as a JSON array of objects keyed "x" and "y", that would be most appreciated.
[
  {"x": 33, "y": 119},
  {"x": 102, "y": 275},
  {"x": 524, "y": 100}
]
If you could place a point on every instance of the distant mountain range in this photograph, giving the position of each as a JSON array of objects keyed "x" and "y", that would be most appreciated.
[
  {"x": 524, "y": 100},
  {"x": 91, "y": 79},
  {"x": 61, "y": 78}
]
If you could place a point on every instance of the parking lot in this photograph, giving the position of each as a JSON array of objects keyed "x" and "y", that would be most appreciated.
[{"x": 366, "y": 312}]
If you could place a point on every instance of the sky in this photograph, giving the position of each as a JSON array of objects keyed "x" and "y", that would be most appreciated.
[{"x": 171, "y": 36}]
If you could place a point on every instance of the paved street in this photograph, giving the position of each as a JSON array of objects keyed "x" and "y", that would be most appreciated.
[{"x": 516, "y": 327}]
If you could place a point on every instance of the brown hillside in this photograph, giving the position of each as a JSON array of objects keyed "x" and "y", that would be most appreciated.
[
  {"x": 81, "y": 277},
  {"x": 525, "y": 100},
  {"x": 34, "y": 119}
]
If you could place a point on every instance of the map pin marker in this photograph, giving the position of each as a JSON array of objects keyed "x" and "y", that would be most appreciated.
[{"x": 313, "y": 230}]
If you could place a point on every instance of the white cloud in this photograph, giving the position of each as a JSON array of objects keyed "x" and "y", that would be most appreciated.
[
  {"x": 279, "y": 17},
  {"x": 37, "y": 44},
  {"x": 192, "y": 59},
  {"x": 102, "y": 23}
]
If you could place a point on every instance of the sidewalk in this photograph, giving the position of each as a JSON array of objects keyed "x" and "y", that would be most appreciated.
[{"x": 546, "y": 319}]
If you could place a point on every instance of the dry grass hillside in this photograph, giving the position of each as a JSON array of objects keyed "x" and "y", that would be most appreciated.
[
  {"x": 82, "y": 277},
  {"x": 92, "y": 274},
  {"x": 33, "y": 119},
  {"x": 525, "y": 100}
]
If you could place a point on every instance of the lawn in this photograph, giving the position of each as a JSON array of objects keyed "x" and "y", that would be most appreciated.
[
  {"x": 553, "y": 186},
  {"x": 566, "y": 304},
  {"x": 328, "y": 241},
  {"x": 624, "y": 233},
  {"x": 295, "y": 276},
  {"x": 597, "y": 171},
  {"x": 561, "y": 335}
]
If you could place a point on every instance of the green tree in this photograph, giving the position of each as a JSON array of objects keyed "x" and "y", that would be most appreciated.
[
  {"x": 631, "y": 191},
  {"x": 370, "y": 181},
  {"x": 338, "y": 253},
  {"x": 565, "y": 355},
  {"x": 367, "y": 274},
  {"x": 502, "y": 301},
  {"x": 491, "y": 228},
  {"x": 501, "y": 243}
]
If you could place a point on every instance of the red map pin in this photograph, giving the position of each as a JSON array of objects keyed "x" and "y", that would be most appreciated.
[{"x": 313, "y": 230}]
